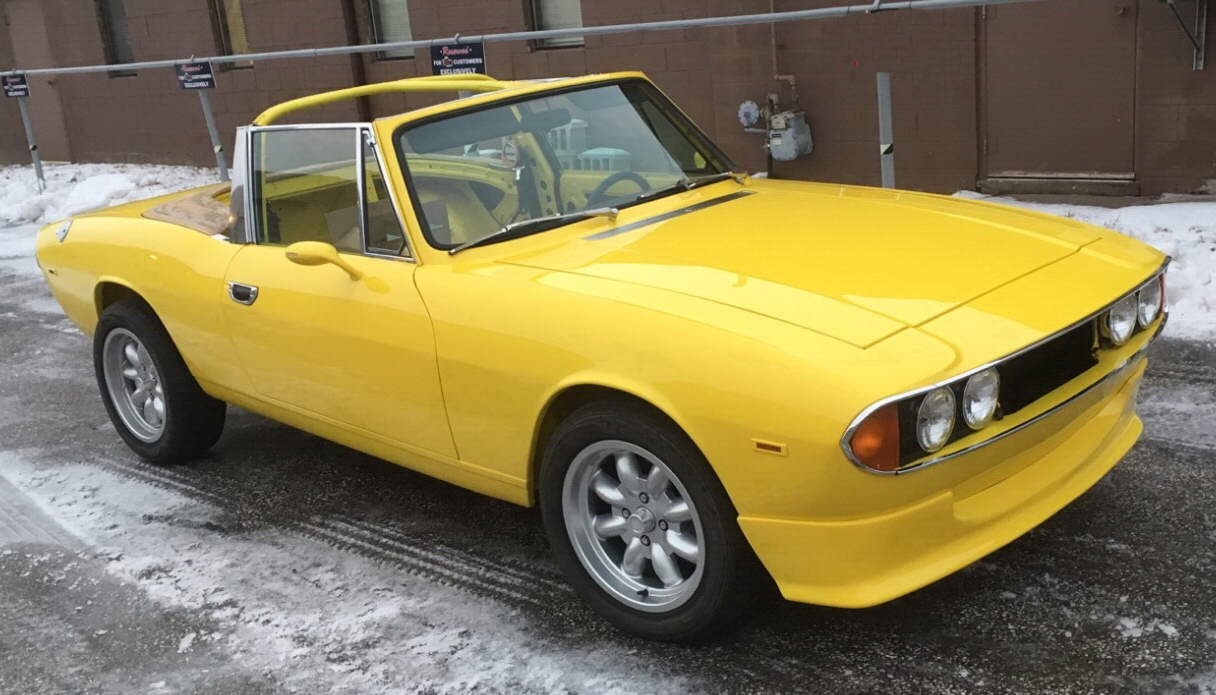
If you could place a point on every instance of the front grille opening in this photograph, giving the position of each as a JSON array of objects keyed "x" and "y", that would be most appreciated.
[
  {"x": 1024, "y": 379},
  {"x": 1035, "y": 373}
]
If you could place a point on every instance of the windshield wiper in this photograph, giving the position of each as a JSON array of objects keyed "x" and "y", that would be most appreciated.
[
  {"x": 714, "y": 178},
  {"x": 522, "y": 226},
  {"x": 686, "y": 184}
]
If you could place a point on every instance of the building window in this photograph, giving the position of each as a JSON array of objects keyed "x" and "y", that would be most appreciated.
[
  {"x": 231, "y": 37},
  {"x": 391, "y": 22},
  {"x": 115, "y": 38},
  {"x": 557, "y": 14}
]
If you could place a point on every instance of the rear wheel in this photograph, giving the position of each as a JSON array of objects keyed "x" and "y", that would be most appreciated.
[
  {"x": 642, "y": 526},
  {"x": 157, "y": 407}
]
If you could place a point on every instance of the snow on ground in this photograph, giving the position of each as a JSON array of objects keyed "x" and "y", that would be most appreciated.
[
  {"x": 1185, "y": 231},
  {"x": 72, "y": 189},
  {"x": 75, "y": 188},
  {"x": 354, "y": 626}
]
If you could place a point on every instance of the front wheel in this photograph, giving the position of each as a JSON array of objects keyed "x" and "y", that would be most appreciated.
[
  {"x": 642, "y": 526},
  {"x": 156, "y": 405}
]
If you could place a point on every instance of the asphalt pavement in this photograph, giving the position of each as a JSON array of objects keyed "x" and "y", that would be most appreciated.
[{"x": 120, "y": 576}]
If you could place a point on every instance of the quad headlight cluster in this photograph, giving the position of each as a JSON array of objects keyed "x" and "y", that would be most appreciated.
[
  {"x": 931, "y": 420},
  {"x": 1134, "y": 312},
  {"x": 973, "y": 400},
  {"x": 936, "y": 415},
  {"x": 898, "y": 431}
]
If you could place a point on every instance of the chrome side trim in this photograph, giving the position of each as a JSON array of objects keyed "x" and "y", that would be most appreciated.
[
  {"x": 846, "y": 438},
  {"x": 668, "y": 215}
]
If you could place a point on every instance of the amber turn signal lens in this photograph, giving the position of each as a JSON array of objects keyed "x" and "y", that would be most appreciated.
[{"x": 875, "y": 442}]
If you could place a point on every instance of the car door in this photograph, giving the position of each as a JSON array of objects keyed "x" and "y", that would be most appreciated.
[{"x": 348, "y": 340}]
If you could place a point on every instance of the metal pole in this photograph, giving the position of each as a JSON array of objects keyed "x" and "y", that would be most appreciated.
[
  {"x": 886, "y": 135},
  {"x": 703, "y": 22},
  {"x": 216, "y": 145},
  {"x": 33, "y": 142}
]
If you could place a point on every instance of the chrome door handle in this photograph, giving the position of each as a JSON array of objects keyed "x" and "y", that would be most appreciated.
[{"x": 242, "y": 293}]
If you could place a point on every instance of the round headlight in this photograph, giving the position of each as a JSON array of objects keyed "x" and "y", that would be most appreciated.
[
  {"x": 1148, "y": 302},
  {"x": 1121, "y": 320},
  {"x": 935, "y": 419},
  {"x": 979, "y": 398}
]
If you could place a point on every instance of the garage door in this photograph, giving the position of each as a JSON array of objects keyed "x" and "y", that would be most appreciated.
[{"x": 1058, "y": 88}]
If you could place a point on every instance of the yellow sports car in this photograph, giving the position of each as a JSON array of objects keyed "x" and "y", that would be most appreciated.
[{"x": 561, "y": 293}]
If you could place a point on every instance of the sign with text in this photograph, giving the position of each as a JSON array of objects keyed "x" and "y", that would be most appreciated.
[
  {"x": 459, "y": 59},
  {"x": 197, "y": 75},
  {"x": 16, "y": 86}
]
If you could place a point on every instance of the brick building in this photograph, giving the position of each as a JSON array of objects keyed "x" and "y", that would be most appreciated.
[{"x": 1095, "y": 94}]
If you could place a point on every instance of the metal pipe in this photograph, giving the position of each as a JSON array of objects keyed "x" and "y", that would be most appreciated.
[
  {"x": 32, "y": 139},
  {"x": 736, "y": 20},
  {"x": 1185, "y": 29},
  {"x": 886, "y": 131},
  {"x": 216, "y": 144}
]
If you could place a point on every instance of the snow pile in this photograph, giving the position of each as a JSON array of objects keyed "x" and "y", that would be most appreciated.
[
  {"x": 75, "y": 188},
  {"x": 1185, "y": 231}
]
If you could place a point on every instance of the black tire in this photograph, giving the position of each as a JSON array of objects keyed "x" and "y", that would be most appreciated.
[
  {"x": 732, "y": 576},
  {"x": 193, "y": 420}
]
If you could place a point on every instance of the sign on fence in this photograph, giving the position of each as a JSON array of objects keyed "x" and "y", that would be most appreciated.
[
  {"x": 459, "y": 59},
  {"x": 16, "y": 86},
  {"x": 196, "y": 75}
]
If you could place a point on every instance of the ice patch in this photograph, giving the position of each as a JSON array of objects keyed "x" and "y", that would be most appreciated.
[{"x": 187, "y": 643}]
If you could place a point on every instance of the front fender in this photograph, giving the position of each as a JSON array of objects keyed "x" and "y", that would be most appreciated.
[{"x": 510, "y": 338}]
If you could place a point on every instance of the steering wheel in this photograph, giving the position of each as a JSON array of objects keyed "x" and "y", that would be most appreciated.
[{"x": 599, "y": 193}]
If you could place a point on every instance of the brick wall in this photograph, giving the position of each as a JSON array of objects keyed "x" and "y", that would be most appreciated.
[
  {"x": 699, "y": 69},
  {"x": 146, "y": 117},
  {"x": 931, "y": 58},
  {"x": 12, "y": 138},
  {"x": 931, "y": 55},
  {"x": 1175, "y": 106}
]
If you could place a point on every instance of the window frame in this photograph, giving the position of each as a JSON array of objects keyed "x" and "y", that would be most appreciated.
[
  {"x": 222, "y": 36},
  {"x": 534, "y": 16},
  {"x": 106, "y": 29},
  {"x": 361, "y": 133},
  {"x": 374, "y": 29}
]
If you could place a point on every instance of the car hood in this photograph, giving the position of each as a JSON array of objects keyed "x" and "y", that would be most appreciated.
[{"x": 855, "y": 263}]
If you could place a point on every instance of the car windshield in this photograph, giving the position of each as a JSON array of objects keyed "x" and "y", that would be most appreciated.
[{"x": 603, "y": 146}]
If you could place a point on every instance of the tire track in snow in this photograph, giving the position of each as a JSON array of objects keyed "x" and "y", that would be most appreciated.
[
  {"x": 521, "y": 572},
  {"x": 448, "y": 571},
  {"x": 507, "y": 582},
  {"x": 161, "y": 477},
  {"x": 517, "y": 584}
]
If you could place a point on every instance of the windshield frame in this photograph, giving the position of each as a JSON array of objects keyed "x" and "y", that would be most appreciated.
[{"x": 680, "y": 121}]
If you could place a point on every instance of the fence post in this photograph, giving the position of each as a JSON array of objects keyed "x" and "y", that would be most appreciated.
[
  {"x": 214, "y": 132},
  {"x": 32, "y": 139},
  {"x": 886, "y": 135}
]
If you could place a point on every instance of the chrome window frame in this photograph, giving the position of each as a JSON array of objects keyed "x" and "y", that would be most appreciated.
[
  {"x": 240, "y": 180},
  {"x": 363, "y": 133},
  {"x": 846, "y": 438},
  {"x": 407, "y": 252}
]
